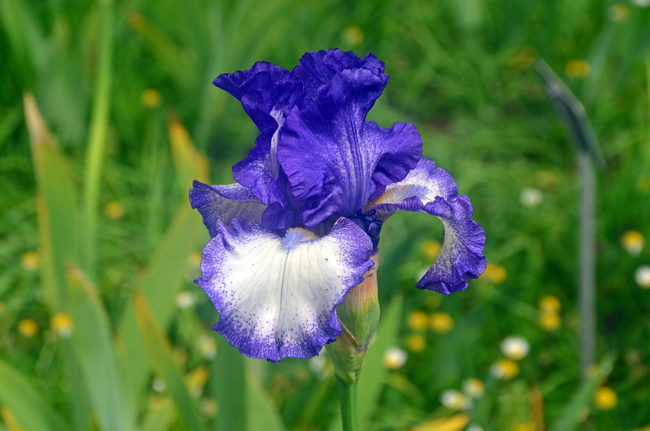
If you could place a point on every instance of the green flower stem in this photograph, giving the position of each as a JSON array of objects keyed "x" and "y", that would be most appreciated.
[{"x": 348, "y": 394}]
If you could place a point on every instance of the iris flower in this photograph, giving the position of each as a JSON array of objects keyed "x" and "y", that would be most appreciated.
[{"x": 297, "y": 230}]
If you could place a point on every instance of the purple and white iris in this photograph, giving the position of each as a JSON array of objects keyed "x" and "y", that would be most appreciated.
[{"x": 297, "y": 230}]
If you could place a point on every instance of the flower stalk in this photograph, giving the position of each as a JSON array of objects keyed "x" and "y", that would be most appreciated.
[{"x": 348, "y": 393}]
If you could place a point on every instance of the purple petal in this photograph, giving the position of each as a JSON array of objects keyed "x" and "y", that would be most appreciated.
[
  {"x": 264, "y": 91},
  {"x": 277, "y": 295},
  {"x": 333, "y": 158},
  {"x": 434, "y": 191},
  {"x": 461, "y": 257},
  {"x": 225, "y": 203}
]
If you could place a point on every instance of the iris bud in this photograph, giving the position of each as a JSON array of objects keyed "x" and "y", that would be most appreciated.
[{"x": 359, "y": 317}]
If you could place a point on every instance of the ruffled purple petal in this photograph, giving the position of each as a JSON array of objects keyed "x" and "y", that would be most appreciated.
[
  {"x": 461, "y": 257},
  {"x": 333, "y": 158},
  {"x": 277, "y": 295},
  {"x": 434, "y": 191},
  {"x": 316, "y": 69},
  {"x": 264, "y": 91},
  {"x": 225, "y": 203}
]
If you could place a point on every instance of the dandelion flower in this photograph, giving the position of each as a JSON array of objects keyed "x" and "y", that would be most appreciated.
[
  {"x": 30, "y": 261},
  {"x": 418, "y": 320},
  {"x": 353, "y": 35},
  {"x": 441, "y": 322},
  {"x": 505, "y": 369},
  {"x": 62, "y": 324},
  {"x": 114, "y": 210},
  {"x": 416, "y": 343},
  {"x": 394, "y": 358},
  {"x": 633, "y": 242},
  {"x": 550, "y": 304},
  {"x": 494, "y": 273},
  {"x": 515, "y": 348},
  {"x": 431, "y": 249},
  {"x": 151, "y": 98},
  {"x": 28, "y": 328},
  {"x": 577, "y": 68},
  {"x": 605, "y": 398},
  {"x": 549, "y": 320}
]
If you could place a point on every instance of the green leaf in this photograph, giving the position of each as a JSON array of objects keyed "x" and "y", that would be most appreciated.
[
  {"x": 263, "y": 415},
  {"x": 29, "y": 408},
  {"x": 160, "y": 355},
  {"x": 56, "y": 205},
  {"x": 160, "y": 417},
  {"x": 571, "y": 417},
  {"x": 229, "y": 385},
  {"x": 93, "y": 345},
  {"x": 167, "y": 267}
]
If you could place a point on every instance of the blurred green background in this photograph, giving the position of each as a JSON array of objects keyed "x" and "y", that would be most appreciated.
[{"x": 107, "y": 113}]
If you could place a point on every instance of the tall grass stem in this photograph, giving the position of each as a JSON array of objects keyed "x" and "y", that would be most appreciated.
[{"x": 97, "y": 142}]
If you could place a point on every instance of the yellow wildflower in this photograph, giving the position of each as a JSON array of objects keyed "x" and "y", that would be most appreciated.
[
  {"x": 633, "y": 242},
  {"x": 28, "y": 328},
  {"x": 30, "y": 261},
  {"x": 431, "y": 249},
  {"x": 441, "y": 322},
  {"x": 505, "y": 369},
  {"x": 195, "y": 259},
  {"x": 62, "y": 324},
  {"x": 353, "y": 35},
  {"x": 151, "y": 98},
  {"x": 549, "y": 321},
  {"x": 550, "y": 304},
  {"x": 473, "y": 387},
  {"x": 114, "y": 210},
  {"x": 416, "y": 343},
  {"x": 494, "y": 273},
  {"x": 418, "y": 320},
  {"x": 577, "y": 68},
  {"x": 605, "y": 398}
]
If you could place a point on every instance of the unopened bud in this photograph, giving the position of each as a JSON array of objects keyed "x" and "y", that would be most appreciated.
[{"x": 359, "y": 317}]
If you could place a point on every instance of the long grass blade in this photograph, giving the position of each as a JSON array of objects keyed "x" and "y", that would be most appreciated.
[
  {"x": 97, "y": 142},
  {"x": 262, "y": 414},
  {"x": 159, "y": 351},
  {"x": 228, "y": 383},
  {"x": 28, "y": 407},
  {"x": 93, "y": 345}
]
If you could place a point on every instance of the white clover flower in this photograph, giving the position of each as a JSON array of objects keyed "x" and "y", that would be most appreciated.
[
  {"x": 531, "y": 198},
  {"x": 473, "y": 387},
  {"x": 474, "y": 427},
  {"x": 184, "y": 299},
  {"x": 642, "y": 276},
  {"x": 455, "y": 400},
  {"x": 158, "y": 385},
  {"x": 208, "y": 347},
  {"x": 515, "y": 347},
  {"x": 641, "y": 3},
  {"x": 394, "y": 358}
]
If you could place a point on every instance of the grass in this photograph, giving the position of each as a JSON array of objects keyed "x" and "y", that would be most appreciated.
[{"x": 460, "y": 70}]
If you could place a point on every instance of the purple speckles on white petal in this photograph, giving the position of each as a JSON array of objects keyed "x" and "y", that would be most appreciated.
[{"x": 284, "y": 306}]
